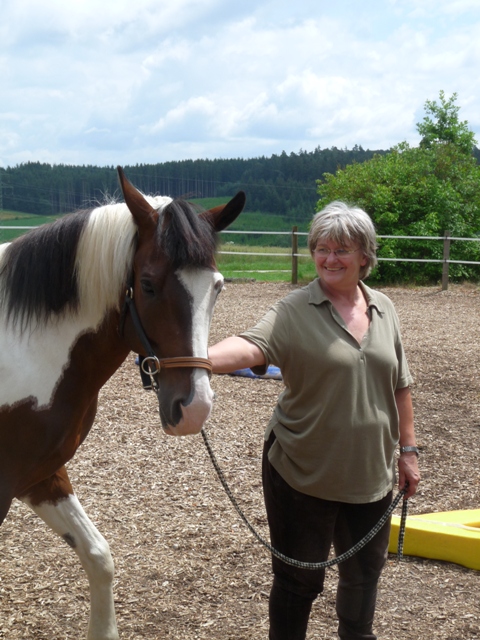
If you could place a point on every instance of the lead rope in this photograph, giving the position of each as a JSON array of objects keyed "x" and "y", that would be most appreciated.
[
  {"x": 401, "y": 531},
  {"x": 327, "y": 563}
]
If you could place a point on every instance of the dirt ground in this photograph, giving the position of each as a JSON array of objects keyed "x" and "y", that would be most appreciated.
[{"x": 186, "y": 566}]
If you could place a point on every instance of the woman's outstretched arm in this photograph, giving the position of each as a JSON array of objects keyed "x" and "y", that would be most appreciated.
[{"x": 235, "y": 353}]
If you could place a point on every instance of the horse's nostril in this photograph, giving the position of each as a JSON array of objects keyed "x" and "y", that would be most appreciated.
[
  {"x": 170, "y": 412},
  {"x": 177, "y": 412}
]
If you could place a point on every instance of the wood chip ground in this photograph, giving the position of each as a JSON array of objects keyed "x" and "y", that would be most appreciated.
[{"x": 186, "y": 566}]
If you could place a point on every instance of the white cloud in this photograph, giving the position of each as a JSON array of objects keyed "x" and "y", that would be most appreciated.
[{"x": 112, "y": 82}]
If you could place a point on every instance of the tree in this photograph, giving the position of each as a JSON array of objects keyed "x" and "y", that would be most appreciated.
[
  {"x": 445, "y": 128},
  {"x": 422, "y": 191}
]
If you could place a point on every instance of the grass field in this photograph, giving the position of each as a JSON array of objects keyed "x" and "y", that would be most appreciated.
[
  {"x": 255, "y": 220},
  {"x": 235, "y": 261},
  {"x": 17, "y": 219}
]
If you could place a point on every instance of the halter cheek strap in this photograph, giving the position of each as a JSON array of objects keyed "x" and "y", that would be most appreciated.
[{"x": 150, "y": 365}]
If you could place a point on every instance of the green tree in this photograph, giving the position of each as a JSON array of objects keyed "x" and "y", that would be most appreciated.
[
  {"x": 445, "y": 128},
  {"x": 419, "y": 191}
]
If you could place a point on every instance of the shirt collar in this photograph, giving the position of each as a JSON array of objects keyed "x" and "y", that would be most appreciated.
[{"x": 317, "y": 296}]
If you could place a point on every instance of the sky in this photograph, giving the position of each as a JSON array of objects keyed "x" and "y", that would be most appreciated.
[{"x": 108, "y": 82}]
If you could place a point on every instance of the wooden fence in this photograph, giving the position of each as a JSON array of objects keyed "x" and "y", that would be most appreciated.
[{"x": 294, "y": 253}]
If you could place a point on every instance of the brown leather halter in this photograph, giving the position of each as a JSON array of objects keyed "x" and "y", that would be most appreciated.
[{"x": 151, "y": 365}]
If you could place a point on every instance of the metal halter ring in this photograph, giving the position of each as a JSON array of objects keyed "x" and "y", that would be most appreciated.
[{"x": 145, "y": 364}]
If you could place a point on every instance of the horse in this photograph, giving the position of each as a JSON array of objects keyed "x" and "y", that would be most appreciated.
[{"x": 76, "y": 297}]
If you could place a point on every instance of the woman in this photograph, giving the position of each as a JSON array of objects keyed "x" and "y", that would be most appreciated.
[{"x": 328, "y": 465}]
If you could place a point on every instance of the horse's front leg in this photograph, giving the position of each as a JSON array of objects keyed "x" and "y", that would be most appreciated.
[{"x": 53, "y": 500}]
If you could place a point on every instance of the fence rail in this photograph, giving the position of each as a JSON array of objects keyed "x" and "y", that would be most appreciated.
[{"x": 295, "y": 254}]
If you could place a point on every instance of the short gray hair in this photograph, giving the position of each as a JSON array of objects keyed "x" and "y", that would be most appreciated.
[{"x": 344, "y": 224}]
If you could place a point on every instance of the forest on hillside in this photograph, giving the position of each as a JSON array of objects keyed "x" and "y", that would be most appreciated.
[{"x": 282, "y": 184}]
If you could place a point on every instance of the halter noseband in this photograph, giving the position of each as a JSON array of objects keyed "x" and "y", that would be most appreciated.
[{"x": 151, "y": 365}]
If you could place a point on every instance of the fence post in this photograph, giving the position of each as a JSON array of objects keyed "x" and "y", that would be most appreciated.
[
  {"x": 446, "y": 256},
  {"x": 294, "y": 255}
]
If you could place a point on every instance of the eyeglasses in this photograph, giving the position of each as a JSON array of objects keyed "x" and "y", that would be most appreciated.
[{"x": 323, "y": 252}]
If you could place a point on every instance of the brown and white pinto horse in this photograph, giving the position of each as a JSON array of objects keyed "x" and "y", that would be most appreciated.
[{"x": 63, "y": 334}]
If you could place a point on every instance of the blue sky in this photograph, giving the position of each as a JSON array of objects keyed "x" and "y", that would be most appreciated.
[{"x": 118, "y": 82}]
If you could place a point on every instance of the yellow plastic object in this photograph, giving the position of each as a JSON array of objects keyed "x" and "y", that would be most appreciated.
[{"x": 452, "y": 536}]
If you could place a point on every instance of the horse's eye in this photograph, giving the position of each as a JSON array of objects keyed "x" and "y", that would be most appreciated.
[{"x": 147, "y": 287}]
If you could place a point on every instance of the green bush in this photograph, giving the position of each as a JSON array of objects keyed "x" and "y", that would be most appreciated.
[{"x": 423, "y": 191}]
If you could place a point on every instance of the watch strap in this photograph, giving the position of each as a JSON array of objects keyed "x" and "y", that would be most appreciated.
[{"x": 409, "y": 449}]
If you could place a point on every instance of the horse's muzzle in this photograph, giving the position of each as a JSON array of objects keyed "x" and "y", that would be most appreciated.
[{"x": 182, "y": 416}]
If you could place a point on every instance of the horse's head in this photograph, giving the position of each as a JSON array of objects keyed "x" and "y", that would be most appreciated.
[{"x": 174, "y": 286}]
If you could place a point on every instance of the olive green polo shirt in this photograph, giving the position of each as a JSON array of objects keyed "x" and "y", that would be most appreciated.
[{"x": 336, "y": 422}]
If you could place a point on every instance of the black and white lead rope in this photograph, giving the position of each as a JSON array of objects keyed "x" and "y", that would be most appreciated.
[{"x": 327, "y": 563}]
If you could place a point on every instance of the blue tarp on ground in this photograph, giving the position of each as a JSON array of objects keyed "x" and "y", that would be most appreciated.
[{"x": 273, "y": 373}]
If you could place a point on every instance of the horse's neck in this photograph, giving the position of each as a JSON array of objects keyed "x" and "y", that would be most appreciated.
[{"x": 106, "y": 351}]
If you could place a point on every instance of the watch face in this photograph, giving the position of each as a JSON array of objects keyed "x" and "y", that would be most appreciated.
[{"x": 409, "y": 449}]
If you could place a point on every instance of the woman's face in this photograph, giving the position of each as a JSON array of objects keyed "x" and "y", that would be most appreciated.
[{"x": 338, "y": 265}]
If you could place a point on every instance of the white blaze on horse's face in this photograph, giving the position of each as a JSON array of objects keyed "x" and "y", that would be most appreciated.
[{"x": 203, "y": 287}]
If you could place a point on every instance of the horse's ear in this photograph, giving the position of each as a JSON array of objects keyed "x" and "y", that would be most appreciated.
[
  {"x": 223, "y": 216},
  {"x": 143, "y": 213}
]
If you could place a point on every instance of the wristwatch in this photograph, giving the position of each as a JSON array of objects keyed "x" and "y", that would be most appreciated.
[{"x": 409, "y": 449}]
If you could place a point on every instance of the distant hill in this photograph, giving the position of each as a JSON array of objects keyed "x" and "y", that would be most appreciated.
[{"x": 282, "y": 184}]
